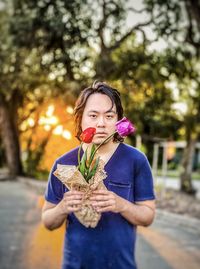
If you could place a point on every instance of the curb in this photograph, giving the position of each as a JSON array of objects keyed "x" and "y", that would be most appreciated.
[{"x": 39, "y": 186}]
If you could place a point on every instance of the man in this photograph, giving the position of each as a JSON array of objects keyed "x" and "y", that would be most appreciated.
[{"x": 128, "y": 201}]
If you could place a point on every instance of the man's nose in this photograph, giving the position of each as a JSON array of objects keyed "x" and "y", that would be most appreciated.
[{"x": 101, "y": 122}]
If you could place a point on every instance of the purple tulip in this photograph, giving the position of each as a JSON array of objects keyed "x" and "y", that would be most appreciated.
[{"x": 124, "y": 127}]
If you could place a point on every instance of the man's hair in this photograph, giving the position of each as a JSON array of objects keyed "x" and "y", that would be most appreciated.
[{"x": 102, "y": 88}]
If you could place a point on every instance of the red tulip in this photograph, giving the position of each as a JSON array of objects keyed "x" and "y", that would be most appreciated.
[{"x": 87, "y": 135}]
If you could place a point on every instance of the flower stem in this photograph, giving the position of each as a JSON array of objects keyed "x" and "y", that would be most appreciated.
[
  {"x": 106, "y": 140},
  {"x": 79, "y": 152}
]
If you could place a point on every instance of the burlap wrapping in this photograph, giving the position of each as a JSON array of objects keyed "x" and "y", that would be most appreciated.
[{"x": 71, "y": 177}]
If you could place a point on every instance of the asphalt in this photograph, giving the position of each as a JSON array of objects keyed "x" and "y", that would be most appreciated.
[{"x": 171, "y": 242}]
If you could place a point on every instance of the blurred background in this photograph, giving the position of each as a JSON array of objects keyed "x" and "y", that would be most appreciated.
[{"x": 52, "y": 49}]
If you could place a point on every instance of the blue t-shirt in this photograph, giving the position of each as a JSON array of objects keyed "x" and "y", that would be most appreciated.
[{"x": 111, "y": 244}]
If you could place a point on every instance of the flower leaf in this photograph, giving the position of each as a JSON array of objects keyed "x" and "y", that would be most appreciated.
[
  {"x": 83, "y": 166},
  {"x": 92, "y": 153},
  {"x": 93, "y": 170}
]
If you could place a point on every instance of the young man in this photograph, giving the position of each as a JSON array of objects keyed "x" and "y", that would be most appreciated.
[{"x": 128, "y": 201}]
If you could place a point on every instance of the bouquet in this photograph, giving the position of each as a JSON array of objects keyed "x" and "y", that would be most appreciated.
[{"x": 89, "y": 174}]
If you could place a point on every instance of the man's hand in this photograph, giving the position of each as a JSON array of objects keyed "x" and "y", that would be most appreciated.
[
  {"x": 53, "y": 215},
  {"x": 138, "y": 213},
  {"x": 104, "y": 200},
  {"x": 71, "y": 202}
]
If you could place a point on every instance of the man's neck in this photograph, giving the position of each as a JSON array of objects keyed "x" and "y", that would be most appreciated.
[{"x": 110, "y": 146}]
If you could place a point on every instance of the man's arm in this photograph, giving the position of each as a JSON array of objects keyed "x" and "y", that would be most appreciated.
[
  {"x": 139, "y": 213},
  {"x": 54, "y": 215}
]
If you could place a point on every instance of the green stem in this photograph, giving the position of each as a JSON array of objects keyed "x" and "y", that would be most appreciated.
[
  {"x": 106, "y": 140},
  {"x": 79, "y": 152}
]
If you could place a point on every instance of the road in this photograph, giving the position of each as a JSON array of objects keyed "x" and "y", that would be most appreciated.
[{"x": 172, "y": 242}]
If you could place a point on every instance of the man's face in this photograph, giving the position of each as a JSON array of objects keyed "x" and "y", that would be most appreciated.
[{"x": 99, "y": 114}]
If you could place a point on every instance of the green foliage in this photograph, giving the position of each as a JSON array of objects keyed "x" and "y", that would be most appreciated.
[
  {"x": 176, "y": 21},
  {"x": 146, "y": 97},
  {"x": 54, "y": 47},
  {"x": 88, "y": 164}
]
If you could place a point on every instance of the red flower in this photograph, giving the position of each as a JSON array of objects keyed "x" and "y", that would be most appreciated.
[{"x": 87, "y": 135}]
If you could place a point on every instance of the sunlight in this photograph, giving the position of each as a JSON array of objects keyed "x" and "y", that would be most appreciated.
[
  {"x": 67, "y": 134},
  {"x": 70, "y": 109},
  {"x": 47, "y": 127},
  {"x": 30, "y": 122},
  {"x": 58, "y": 130},
  {"x": 180, "y": 107},
  {"x": 44, "y": 247},
  {"x": 50, "y": 110},
  {"x": 27, "y": 123},
  {"x": 50, "y": 120}
]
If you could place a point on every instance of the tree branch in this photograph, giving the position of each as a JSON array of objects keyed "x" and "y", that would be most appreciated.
[
  {"x": 102, "y": 25},
  {"x": 137, "y": 10},
  {"x": 134, "y": 28},
  {"x": 194, "y": 7},
  {"x": 190, "y": 34}
]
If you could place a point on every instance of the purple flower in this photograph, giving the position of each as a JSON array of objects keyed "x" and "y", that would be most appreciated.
[{"x": 124, "y": 127}]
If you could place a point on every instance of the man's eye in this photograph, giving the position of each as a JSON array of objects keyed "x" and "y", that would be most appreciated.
[
  {"x": 109, "y": 116},
  {"x": 93, "y": 116}
]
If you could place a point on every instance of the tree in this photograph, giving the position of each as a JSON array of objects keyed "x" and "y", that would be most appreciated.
[
  {"x": 111, "y": 34},
  {"x": 9, "y": 99},
  {"x": 188, "y": 82},
  {"x": 179, "y": 23},
  {"x": 37, "y": 46},
  {"x": 176, "y": 22},
  {"x": 46, "y": 43},
  {"x": 19, "y": 73},
  {"x": 147, "y": 98},
  {"x": 58, "y": 47}
]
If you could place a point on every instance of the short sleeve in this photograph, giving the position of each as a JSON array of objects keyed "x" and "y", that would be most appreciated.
[
  {"x": 55, "y": 189},
  {"x": 143, "y": 183}
]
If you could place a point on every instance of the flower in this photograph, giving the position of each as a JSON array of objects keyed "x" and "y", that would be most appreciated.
[
  {"x": 87, "y": 135},
  {"x": 88, "y": 163},
  {"x": 124, "y": 127}
]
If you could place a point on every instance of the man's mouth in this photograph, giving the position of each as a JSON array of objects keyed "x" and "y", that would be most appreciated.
[{"x": 101, "y": 134}]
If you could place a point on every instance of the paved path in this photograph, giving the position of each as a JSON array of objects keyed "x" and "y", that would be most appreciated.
[
  {"x": 172, "y": 242},
  {"x": 176, "y": 239}
]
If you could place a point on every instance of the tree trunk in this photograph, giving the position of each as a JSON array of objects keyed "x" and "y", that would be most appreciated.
[
  {"x": 187, "y": 164},
  {"x": 10, "y": 138}
]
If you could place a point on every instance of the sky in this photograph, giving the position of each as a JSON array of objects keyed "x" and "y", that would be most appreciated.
[{"x": 134, "y": 19}]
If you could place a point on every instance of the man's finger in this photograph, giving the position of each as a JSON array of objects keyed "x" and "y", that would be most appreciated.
[
  {"x": 102, "y": 204},
  {"x": 69, "y": 193},
  {"x": 104, "y": 192},
  {"x": 104, "y": 209},
  {"x": 99, "y": 197}
]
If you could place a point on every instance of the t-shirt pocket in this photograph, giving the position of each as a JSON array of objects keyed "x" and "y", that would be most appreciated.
[{"x": 120, "y": 188}]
